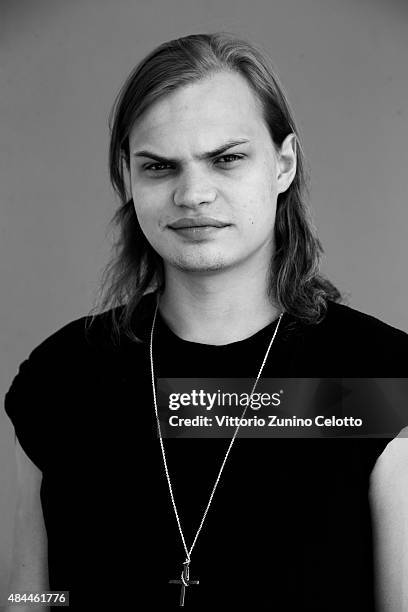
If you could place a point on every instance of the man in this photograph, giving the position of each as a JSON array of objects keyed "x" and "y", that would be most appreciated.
[{"x": 218, "y": 261}]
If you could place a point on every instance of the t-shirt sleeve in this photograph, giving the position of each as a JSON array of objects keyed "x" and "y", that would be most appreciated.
[
  {"x": 27, "y": 405},
  {"x": 36, "y": 398}
]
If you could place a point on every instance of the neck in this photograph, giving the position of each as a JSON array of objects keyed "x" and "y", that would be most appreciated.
[{"x": 216, "y": 310}]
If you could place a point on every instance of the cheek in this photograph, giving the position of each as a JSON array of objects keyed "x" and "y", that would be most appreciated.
[
  {"x": 258, "y": 192},
  {"x": 149, "y": 203},
  {"x": 144, "y": 217},
  {"x": 258, "y": 209},
  {"x": 144, "y": 205}
]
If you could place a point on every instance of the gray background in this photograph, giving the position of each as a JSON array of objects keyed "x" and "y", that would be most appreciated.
[{"x": 344, "y": 66}]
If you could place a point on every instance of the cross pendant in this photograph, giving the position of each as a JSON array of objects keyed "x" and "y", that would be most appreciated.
[{"x": 185, "y": 581}]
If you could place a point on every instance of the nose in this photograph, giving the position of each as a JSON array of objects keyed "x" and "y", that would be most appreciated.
[{"x": 193, "y": 189}]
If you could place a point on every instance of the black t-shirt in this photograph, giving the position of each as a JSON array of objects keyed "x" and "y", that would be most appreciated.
[{"x": 289, "y": 527}]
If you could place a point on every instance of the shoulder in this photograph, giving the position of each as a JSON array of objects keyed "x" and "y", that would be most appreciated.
[
  {"x": 78, "y": 335},
  {"x": 347, "y": 315},
  {"x": 349, "y": 342},
  {"x": 343, "y": 315},
  {"x": 94, "y": 333},
  {"x": 350, "y": 323}
]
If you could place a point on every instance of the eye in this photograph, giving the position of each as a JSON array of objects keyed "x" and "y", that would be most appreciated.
[
  {"x": 154, "y": 168},
  {"x": 231, "y": 156}
]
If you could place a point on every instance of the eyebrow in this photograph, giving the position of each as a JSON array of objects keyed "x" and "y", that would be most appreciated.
[{"x": 200, "y": 156}]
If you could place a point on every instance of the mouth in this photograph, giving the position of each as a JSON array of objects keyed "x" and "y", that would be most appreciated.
[
  {"x": 197, "y": 226},
  {"x": 201, "y": 221},
  {"x": 199, "y": 232}
]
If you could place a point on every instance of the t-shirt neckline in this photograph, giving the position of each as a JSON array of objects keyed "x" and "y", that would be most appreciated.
[{"x": 171, "y": 337}]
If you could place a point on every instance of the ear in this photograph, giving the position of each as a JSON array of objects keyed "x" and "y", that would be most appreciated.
[{"x": 286, "y": 163}]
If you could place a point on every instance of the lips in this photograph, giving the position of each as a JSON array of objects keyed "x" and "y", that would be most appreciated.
[{"x": 197, "y": 222}]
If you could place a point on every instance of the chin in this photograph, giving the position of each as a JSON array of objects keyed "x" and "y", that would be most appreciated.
[{"x": 203, "y": 264}]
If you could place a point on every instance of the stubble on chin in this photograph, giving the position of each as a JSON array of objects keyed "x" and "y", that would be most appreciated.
[{"x": 198, "y": 264}]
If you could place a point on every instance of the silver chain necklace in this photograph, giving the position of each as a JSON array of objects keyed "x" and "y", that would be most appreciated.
[{"x": 184, "y": 580}]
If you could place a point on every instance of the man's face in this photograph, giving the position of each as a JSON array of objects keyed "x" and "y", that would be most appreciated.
[{"x": 238, "y": 187}]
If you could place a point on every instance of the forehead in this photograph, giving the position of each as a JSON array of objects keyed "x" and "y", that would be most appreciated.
[{"x": 222, "y": 105}]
